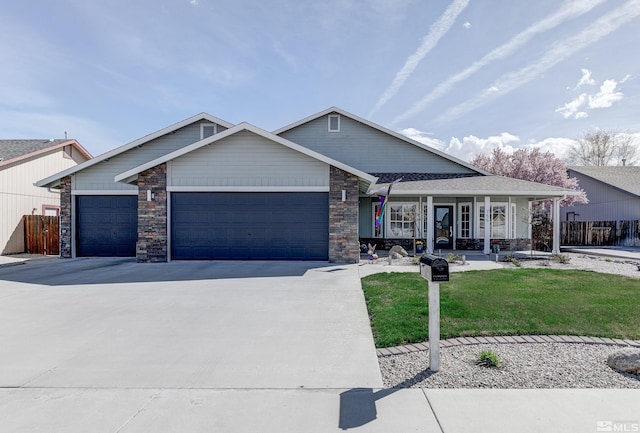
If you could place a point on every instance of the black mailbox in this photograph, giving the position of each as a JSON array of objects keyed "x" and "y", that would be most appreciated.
[{"x": 434, "y": 268}]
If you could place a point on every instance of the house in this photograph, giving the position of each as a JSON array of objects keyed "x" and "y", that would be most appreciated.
[
  {"x": 613, "y": 192},
  {"x": 22, "y": 163},
  {"x": 204, "y": 188}
]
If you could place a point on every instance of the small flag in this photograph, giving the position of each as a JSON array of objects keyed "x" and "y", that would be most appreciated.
[{"x": 383, "y": 196}]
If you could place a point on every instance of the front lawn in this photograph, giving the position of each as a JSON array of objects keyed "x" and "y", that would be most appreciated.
[{"x": 505, "y": 302}]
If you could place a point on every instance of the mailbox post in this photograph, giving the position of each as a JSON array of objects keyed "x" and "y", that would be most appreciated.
[{"x": 434, "y": 269}]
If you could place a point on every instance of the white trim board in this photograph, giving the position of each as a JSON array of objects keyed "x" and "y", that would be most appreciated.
[
  {"x": 103, "y": 192},
  {"x": 248, "y": 189}
]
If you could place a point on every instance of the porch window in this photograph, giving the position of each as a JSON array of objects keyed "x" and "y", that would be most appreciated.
[
  {"x": 464, "y": 214},
  {"x": 402, "y": 220},
  {"x": 502, "y": 224}
]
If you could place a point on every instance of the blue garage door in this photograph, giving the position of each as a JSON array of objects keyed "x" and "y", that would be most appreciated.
[
  {"x": 249, "y": 226},
  {"x": 106, "y": 225}
]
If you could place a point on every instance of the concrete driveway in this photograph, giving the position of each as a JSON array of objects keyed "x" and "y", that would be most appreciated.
[{"x": 111, "y": 323}]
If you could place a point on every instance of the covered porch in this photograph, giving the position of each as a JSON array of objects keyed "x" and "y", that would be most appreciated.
[{"x": 482, "y": 213}]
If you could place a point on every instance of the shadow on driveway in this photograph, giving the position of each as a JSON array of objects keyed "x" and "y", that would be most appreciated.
[{"x": 59, "y": 272}]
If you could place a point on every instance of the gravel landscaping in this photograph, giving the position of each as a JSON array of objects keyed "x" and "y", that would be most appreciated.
[{"x": 524, "y": 365}]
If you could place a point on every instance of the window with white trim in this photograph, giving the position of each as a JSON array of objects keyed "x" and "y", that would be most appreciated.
[
  {"x": 207, "y": 130},
  {"x": 401, "y": 220},
  {"x": 502, "y": 223},
  {"x": 334, "y": 123},
  {"x": 464, "y": 216}
]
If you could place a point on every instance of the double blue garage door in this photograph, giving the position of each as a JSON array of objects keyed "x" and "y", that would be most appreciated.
[
  {"x": 213, "y": 226},
  {"x": 249, "y": 226}
]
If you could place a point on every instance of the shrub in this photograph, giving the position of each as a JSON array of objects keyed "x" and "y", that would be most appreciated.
[
  {"x": 511, "y": 259},
  {"x": 487, "y": 358},
  {"x": 561, "y": 258},
  {"x": 454, "y": 258}
]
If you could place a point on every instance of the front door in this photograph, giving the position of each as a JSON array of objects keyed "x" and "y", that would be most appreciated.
[{"x": 443, "y": 220}]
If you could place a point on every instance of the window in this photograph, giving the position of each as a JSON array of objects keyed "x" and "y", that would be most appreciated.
[
  {"x": 334, "y": 123},
  {"x": 464, "y": 212},
  {"x": 207, "y": 130},
  {"x": 402, "y": 220},
  {"x": 502, "y": 224},
  {"x": 50, "y": 210}
]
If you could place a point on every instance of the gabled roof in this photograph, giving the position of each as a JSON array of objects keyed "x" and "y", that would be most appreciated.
[
  {"x": 479, "y": 186},
  {"x": 382, "y": 129},
  {"x": 623, "y": 178},
  {"x": 130, "y": 175},
  {"x": 133, "y": 144},
  {"x": 12, "y": 151}
]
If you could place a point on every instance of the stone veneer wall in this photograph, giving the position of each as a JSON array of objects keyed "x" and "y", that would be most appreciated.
[
  {"x": 343, "y": 217},
  {"x": 152, "y": 215},
  {"x": 65, "y": 217}
]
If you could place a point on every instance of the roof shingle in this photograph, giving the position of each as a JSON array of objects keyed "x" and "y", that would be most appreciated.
[
  {"x": 10, "y": 149},
  {"x": 624, "y": 178}
]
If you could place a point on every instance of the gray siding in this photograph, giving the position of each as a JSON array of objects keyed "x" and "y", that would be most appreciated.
[
  {"x": 100, "y": 176},
  {"x": 247, "y": 159},
  {"x": 369, "y": 149},
  {"x": 606, "y": 203}
]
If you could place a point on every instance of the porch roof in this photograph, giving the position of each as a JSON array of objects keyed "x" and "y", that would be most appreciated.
[{"x": 477, "y": 186}]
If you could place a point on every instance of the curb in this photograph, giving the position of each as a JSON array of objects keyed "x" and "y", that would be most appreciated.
[{"x": 511, "y": 339}]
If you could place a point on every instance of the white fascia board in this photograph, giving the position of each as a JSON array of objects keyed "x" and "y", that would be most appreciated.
[
  {"x": 381, "y": 129},
  {"x": 244, "y": 126},
  {"x": 455, "y": 193},
  {"x": 248, "y": 189},
  {"x": 104, "y": 192},
  {"x": 131, "y": 145}
]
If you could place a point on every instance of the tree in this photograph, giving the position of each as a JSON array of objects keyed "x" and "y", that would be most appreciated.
[
  {"x": 534, "y": 166},
  {"x": 602, "y": 147}
]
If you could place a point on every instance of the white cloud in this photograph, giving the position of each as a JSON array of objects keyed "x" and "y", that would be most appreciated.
[
  {"x": 467, "y": 25},
  {"x": 566, "y": 12},
  {"x": 558, "y": 52},
  {"x": 571, "y": 108},
  {"x": 424, "y": 138},
  {"x": 625, "y": 79},
  {"x": 560, "y": 147},
  {"x": 606, "y": 96},
  {"x": 585, "y": 79},
  {"x": 193, "y": 2},
  {"x": 436, "y": 31}
]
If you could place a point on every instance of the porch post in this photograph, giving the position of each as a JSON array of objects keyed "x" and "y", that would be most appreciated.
[
  {"x": 487, "y": 224},
  {"x": 430, "y": 225},
  {"x": 556, "y": 226}
]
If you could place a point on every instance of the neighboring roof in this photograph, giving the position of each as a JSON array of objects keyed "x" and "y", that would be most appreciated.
[
  {"x": 382, "y": 129},
  {"x": 129, "y": 175},
  {"x": 623, "y": 178},
  {"x": 12, "y": 151},
  {"x": 135, "y": 143},
  {"x": 479, "y": 185}
]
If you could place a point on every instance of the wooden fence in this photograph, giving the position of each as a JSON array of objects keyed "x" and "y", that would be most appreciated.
[
  {"x": 600, "y": 233},
  {"x": 41, "y": 234}
]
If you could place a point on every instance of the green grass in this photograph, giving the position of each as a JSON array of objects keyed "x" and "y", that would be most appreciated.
[{"x": 505, "y": 302}]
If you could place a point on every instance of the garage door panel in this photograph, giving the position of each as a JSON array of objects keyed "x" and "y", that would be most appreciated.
[
  {"x": 106, "y": 226},
  {"x": 258, "y": 226}
]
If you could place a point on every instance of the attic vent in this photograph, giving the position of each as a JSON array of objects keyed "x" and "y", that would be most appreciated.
[
  {"x": 334, "y": 123},
  {"x": 207, "y": 130}
]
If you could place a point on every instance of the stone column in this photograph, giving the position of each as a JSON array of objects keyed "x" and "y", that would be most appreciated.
[
  {"x": 152, "y": 215},
  {"x": 343, "y": 217},
  {"x": 66, "y": 236}
]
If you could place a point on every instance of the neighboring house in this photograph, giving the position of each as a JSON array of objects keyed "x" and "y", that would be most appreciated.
[
  {"x": 22, "y": 163},
  {"x": 207, "y": 189},
  {"x": 613, "y": 193}
]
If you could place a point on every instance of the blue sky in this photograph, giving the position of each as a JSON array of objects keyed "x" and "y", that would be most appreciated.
[{"x": 462, "y": 75}]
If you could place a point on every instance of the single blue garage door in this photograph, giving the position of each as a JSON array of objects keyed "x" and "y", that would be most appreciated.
[
  {"x": 249, "y": 226},
  {"x": 106, "y": 225}
]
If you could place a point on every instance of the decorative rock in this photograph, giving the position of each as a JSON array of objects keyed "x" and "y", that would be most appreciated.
[
  {"x": 626, "y": 360},
  {"x": 394, "y": 255},
  {"x": 397, "y": 249}
]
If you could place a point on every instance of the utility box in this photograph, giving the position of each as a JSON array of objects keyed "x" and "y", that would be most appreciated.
[{"x": 434, "y": 268}]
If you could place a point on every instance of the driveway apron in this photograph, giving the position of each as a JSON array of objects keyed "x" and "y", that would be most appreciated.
[{"x": 184, "y": 325}]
